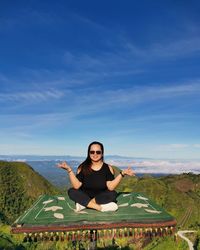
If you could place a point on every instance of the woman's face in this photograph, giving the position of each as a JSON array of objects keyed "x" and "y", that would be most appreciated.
[{"x": 95, "y": 153}]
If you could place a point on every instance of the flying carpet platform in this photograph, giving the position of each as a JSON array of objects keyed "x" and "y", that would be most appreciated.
[{"x": 57, "y": 214}]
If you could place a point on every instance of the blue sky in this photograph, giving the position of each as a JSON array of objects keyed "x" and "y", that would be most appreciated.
[{"x": 125, "y": 73}]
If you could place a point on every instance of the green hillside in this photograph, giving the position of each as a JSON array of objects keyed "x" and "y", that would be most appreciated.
[
  {"x": 178, "y": 194},
  {"x": 20, "y": 186}
]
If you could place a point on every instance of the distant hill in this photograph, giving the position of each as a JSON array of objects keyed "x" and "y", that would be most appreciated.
[
  {"x": 20, "y": 186},
  {"x": 178, "y": 194}
]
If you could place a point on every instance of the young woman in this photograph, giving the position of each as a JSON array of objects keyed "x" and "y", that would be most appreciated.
[{"x": 94, "y": 184}]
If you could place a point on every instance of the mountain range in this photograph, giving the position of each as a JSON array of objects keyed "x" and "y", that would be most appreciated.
[
  {"x": 140, "y": 165},
  {"x": 20, "y": 186}
]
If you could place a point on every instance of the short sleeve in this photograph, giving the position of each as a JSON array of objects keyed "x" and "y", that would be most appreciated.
[
  {"x": 109, "y": 175},
  {"x": 79, "y": 176}
]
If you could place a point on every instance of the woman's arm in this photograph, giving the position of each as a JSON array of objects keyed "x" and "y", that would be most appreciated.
[
  {"x": 72, "y": 177},
  {"x": 111, "y": 185}
]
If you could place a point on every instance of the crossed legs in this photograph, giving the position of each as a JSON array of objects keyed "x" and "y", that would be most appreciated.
[{"x": 97, "y": 202}]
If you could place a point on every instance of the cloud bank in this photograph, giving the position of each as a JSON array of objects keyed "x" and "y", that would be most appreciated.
[{"x": 159, "y": 166}]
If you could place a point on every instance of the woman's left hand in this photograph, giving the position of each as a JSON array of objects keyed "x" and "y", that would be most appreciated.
[{"x": 128, "y": 171}]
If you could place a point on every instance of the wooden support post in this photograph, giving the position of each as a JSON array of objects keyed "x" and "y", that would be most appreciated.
[{"x": 93, "y": 240}]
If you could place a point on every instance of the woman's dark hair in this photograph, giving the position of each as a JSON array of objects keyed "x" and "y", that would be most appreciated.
[{"x": 86, "y": 165}]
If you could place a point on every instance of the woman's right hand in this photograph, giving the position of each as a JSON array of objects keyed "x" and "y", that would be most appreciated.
[{"x": 64, "y": 165}]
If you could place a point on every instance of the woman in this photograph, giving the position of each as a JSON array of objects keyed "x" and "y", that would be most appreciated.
[{"x": 93, "y": 185}]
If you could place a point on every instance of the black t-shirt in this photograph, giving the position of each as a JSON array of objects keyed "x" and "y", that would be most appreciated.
[{"x": 95, "y": 182}]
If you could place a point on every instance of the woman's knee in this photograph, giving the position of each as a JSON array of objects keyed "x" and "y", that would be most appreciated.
[
  {"x": 71, "y": 192},
  {"x": 113, "y": 194},
  {"x": 106, "y": 197}
]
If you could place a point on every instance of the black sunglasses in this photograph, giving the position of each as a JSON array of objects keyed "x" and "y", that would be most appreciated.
[{"x": 98, "y": 152}]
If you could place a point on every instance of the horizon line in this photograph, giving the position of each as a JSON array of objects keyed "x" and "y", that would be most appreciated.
[{"x": 108, "y": 155}]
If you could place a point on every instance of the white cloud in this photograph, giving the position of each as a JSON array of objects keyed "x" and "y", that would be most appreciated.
[
  {"x": 81, "y": 101},
  {"x": 156, "y": 51},
  {"x": 172, "y": 147},
  {"x": 159, "y": 166},
  {"x": 135, "y": 96},
  {"x": 177, "y": 48},
  {"x": 31, "y": 96}
]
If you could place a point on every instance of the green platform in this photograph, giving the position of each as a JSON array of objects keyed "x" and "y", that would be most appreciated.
[{"x": 135, "y": 210}]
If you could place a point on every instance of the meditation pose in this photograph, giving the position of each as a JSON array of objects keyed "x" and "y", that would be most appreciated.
[{"x": 93, "y": 186}]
